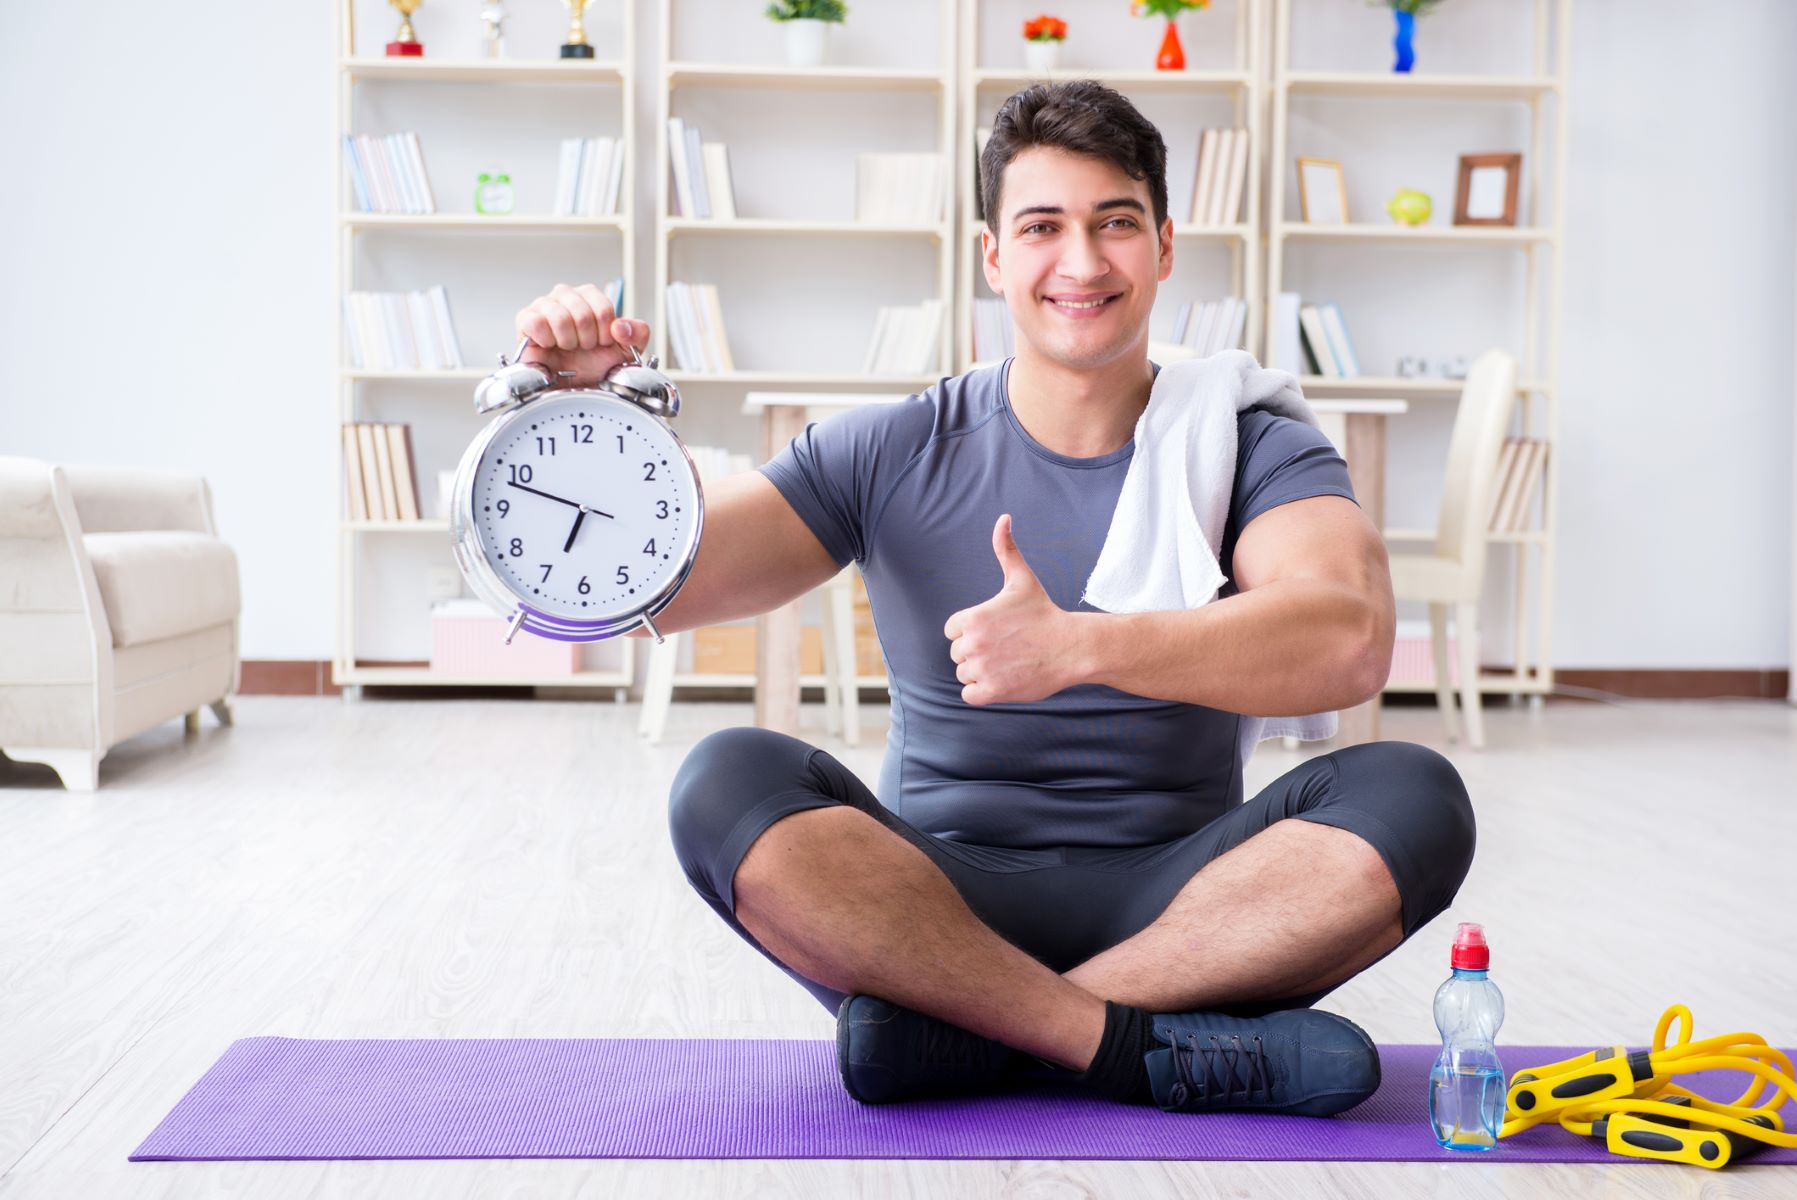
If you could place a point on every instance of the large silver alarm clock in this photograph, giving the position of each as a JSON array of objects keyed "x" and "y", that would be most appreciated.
[{"x": 577, "y": 510}]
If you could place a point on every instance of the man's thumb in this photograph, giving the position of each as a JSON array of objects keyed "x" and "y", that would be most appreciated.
[{"x": 1010, "y": 558}]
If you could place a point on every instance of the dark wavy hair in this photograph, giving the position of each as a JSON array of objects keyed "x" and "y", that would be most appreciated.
[{"x": 1080, "y": 116}]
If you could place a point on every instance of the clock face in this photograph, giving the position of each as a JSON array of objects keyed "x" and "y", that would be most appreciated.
[{"x": 586, "y": 506}]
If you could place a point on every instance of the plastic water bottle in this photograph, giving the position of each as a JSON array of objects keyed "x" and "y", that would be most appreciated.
[{"x": 1466, "y": 1088}]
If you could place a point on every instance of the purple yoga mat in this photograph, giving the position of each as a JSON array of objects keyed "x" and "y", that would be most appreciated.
[{"x": 287, "y": 1098}]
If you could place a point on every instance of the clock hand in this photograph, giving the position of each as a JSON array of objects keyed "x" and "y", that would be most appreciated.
[
  {"x": 578, "y": 518},
  {"x": 561, "y": 500}
]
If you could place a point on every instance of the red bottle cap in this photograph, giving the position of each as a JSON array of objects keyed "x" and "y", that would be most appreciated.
[{"x": 1470, "y": 950}]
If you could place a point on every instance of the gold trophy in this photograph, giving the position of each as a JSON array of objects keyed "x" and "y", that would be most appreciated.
[
  {"x": 577, "y": 46},
  {"x": 405, "y": 43}
]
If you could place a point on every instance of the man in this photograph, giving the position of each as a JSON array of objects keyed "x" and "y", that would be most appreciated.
[{"x": 1059, "y": 874}]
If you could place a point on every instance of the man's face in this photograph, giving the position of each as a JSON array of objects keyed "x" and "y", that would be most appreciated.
[{"x": 1077, "y": 256}]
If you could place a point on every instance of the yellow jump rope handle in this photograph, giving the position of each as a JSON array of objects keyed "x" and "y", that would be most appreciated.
[
  {"x": 1616, "y": 1073},
  {"x": 1639, "y": 1137}
]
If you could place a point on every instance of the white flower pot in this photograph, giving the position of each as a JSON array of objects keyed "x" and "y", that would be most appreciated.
[
  {"x": 1041, "y": 57},
  {"x": 805, "y": 42}
]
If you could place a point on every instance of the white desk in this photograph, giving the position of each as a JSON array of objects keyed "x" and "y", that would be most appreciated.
[{"x": 1355, "y": 424}]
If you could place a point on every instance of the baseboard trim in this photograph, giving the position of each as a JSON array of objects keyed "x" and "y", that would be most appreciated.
[
  {"x": 308, "y": 677},
  {"x": 286, "y": 677},
  {"x": 1649, "y": 684}
]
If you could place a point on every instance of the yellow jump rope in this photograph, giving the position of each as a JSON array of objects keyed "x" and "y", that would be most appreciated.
[{"x": 1628, "y": 1098}]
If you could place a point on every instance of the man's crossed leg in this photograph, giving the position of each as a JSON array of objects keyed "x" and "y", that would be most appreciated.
[{"x": 1265, "y": 909}]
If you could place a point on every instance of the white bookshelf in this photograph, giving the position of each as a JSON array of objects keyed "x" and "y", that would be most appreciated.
[
  {"x": 1243, "y": 83},
  {"x": 1542, "y": 91},
  {"x": 681, "y": 76},
  {"x": 711, "y": 394},
  {"x": 367, "y": 549}
]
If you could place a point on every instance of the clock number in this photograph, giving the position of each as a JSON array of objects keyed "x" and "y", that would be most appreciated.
[
  {"x": 551, "y": 442},
  {"x": 648, "y": 471},
  {"x": 504, "y": 507},
  {"x": 661, "y": 509},
  {"x": 520, "y": 472},
  {"x": 583, "y": 587},
  {"x": 545, "y": 567},
  {"x": 620, "y": 443},
  {"x": 649, "y": 548},
  {"x": 583, "y": 433},
  {"x": 623, "y": 575},
  {"x": 517, "y": 548}
]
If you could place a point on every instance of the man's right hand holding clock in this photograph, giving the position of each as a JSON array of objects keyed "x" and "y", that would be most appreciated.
[{"x": 574, "y": 329}]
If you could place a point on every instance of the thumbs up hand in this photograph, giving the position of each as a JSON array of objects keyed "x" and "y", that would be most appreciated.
[{"x": 1014, "y": 647}]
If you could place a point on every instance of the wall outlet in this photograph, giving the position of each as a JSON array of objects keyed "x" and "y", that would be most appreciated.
[{"x": 445, "y": 583}]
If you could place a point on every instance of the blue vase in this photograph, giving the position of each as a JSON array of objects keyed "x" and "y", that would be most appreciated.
[{"x": 1402, "y": 42}]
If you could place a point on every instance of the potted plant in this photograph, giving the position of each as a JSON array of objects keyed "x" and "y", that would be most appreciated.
[
  {"x": 1172, "y": 56},
  {"x": 1042, "y": 40},
  {"x": 807, "y": 25},
  {"x": 1405, "y": 12}
]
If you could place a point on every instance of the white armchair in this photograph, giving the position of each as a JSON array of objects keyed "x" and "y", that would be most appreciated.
[{"x": 118, "y": 610}]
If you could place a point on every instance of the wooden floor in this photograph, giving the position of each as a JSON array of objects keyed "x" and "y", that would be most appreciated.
[{"x": 490, "y": 868}]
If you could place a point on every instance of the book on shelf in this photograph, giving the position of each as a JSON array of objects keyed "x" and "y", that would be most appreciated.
[
  {"x": 379, "y": 474},
  {"x": 1533, "y": 468},
  {"x": 352, "y": 476},
  {"x": 1222, "y": 172},
  {"x": 369, "y": 472},
  {"x": 1341, "y": 347},
  {"x": 1288, "y": 355},
  {"x": 696, "y": 328},
  {"x": 1503, "y": 480},
  {"x": 703, "y": 186},
  {"x": 405, "y": 477},
  {"x": 720, "y": 189},
  {"x": 383, "y": 470},
  {"x": 898, "y": 189},
  {"x": 1520, "y": 466},
  {"x": 401, "y": 331},
  {"x": 905, "y": 340},
  {"x": 614, "y": 291},
  {"x": 1325, "y": 338},
  {"x": 590, "y": 177},
  {"x": 677, "y": 165},
  {"x": 695, "y": 166},
  {"x": 1211, "y": 327},
  {"x": 387, "y": 174},
  {"x": 994, "y": 339}
]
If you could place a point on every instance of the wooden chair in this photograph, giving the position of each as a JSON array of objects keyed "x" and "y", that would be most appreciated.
[{"x": 1452, "y": 578}]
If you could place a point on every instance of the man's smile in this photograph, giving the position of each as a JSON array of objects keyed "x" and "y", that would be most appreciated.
[{"x": 1082, "y": 305}]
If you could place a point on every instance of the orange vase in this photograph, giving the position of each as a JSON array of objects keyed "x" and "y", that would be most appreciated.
[{"x": 1172, "y": 56}]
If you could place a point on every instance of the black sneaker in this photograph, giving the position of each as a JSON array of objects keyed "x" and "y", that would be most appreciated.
[
  {"x": 1299, "y": 1061},
  {"x": 888, "y": 1053}
]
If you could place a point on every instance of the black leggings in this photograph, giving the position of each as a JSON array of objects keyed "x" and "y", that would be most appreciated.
[{"x": 1066, "y": 904}]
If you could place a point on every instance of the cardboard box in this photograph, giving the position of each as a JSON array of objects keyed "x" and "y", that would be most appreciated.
[{"x": 730, "y": 650}]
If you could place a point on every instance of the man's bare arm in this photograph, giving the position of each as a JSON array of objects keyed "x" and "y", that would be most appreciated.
[
  {"x": 755, "y": 554},
  {"x": 1309, "y": 631}
]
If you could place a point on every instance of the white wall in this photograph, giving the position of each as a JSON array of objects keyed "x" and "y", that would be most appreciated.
[{"x": 169, "y": 251}]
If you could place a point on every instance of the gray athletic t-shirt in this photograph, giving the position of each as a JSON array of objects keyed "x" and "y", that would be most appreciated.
[{"x": 910, "y": 491}]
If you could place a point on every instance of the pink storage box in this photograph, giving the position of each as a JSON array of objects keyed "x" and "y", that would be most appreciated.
[
  {"x": 468, "y": 639},
  {"x": 1413, "y": 662}
]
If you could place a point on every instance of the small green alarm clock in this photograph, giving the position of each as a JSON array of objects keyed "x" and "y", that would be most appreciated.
[{"x": 493, "y": 194}]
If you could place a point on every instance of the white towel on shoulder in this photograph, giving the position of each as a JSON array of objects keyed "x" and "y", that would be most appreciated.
[{"x": 1161, "y": 553}]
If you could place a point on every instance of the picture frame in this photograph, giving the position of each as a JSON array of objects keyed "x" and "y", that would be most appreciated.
[
  {"x": 1486, "y": 193},
  {"x": 1322, "y": 191}
]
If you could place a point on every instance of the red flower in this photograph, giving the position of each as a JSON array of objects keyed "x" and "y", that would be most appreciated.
[{"x": 1045, "y": 29}]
